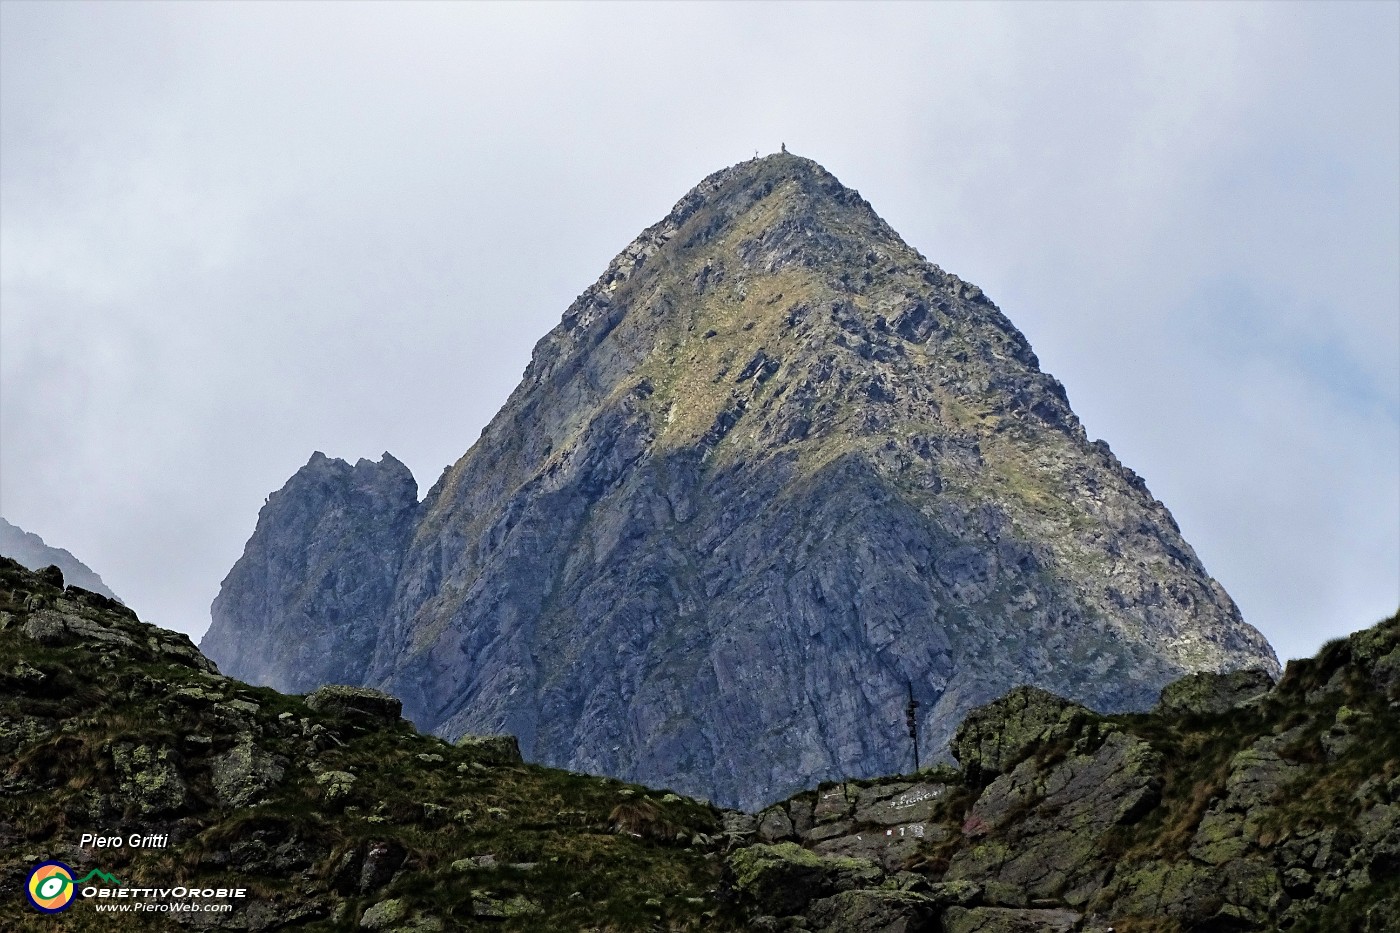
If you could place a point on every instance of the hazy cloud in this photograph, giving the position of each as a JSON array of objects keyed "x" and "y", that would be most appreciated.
[{"x": 231, "y": 234}]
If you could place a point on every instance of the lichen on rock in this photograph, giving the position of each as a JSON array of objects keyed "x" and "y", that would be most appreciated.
[
  {"x": 243, "y": 773},
  {"x": 1210, "y": 692},
  {"x": 150, "y": 777},
  {"x": 361, "y": 705}
]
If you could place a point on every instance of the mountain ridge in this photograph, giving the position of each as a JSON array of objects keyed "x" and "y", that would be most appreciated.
[
  {"x": 771, "y": 471},
  {"x": 33, "y": 552}
]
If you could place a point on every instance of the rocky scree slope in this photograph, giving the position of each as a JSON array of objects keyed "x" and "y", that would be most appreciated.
[{"x": 770, "y": 470}]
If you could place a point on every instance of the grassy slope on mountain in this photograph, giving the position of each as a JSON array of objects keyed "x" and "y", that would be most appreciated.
[{"x": 113, "y": 726}]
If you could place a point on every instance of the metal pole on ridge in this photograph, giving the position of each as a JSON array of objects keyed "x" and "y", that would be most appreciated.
[{"x": 913, "y": 723}]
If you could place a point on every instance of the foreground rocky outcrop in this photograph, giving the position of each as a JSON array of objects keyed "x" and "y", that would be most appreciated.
[
  {"x": 770, "y": 471},
  {"x": 1235, "y": 805},
  {"x": 1246, "y": 810},
  {"x": 330, "y": 810}
]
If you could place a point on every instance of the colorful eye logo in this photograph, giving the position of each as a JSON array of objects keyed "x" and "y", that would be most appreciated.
[{"x": 50, "y": 887}]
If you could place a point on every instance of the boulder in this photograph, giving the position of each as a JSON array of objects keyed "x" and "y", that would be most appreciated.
[
  {"x": 896, "y": 804},
  {"x": 1209, "y": 692},
  {"x": 890, "y": 851},
  {"x": 51, "y": 628},
  {"x": 243, "y": 774},
  {"x": 383, "y": 915},
  {"x": 996, "y": 736},
  {"x": 738, "y": 825},
  {"x": 492, "y": 749},
  {"x": 834, "y": 802},
  {"x": 872, "y": 912},
  {"x": 361, "y": 705},
  {"x": 774, "y": 825},
  {"x": 338, "y": 785},
  {"x": 1043, "y": 825},
  {"x": 1258, "y": 776},
  {"x": 955, "y": 893},
  {"x": 801, "y": 811},
  {"x": 1186, "y": 891},
  {"x": 150, "y": 777},
  {"x": 382, "y": 860},
  {"x": 783, "y": 879}
]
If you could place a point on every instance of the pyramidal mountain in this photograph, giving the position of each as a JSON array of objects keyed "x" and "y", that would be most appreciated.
[{"x": 771, "y": 473}]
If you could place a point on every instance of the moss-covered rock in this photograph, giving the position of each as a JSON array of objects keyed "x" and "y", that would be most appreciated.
[
  {"x": 361, "y": 705},
  {"x": 384, "y": 915},
  {"x": 866, "y": 911},
  {"x": 1208, "y": 692},
  {"x": 244, "y": 773},
  {"x": 150, "y": 777},
  {"x": 994, "y": 737},
  {"x": 783, "y": 879},
  {"x": 491, "y": 749},
  {"x": 338, "y": 785}
]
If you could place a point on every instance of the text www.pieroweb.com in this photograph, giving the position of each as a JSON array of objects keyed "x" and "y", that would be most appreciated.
[{"x": 123, "y": 907}]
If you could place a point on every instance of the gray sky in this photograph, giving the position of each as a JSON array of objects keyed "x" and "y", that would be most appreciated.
[{"x": 234, "y": 234}]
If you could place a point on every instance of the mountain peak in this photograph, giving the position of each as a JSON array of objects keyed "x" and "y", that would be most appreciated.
[
  {"x": 773, "y": 293},
  {"x": 769, "y": 474},
  {"x": 325, "y": 552}
]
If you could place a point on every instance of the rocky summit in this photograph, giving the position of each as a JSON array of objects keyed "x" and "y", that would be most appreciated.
[
  {"x": 770, "y": 473},
  {"x": 318, "y": 575}
]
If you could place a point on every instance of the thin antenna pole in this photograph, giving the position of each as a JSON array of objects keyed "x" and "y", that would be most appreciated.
[{"x": 913, "y": 723}]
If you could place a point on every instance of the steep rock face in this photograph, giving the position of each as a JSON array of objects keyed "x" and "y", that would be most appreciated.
[
  {"x": 772, "y": 468},
  {"x": 30, "y": 550},
  {"x": 303, "y": 605}
]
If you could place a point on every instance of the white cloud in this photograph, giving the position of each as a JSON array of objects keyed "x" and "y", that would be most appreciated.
[{"x": 232, "y": 233}]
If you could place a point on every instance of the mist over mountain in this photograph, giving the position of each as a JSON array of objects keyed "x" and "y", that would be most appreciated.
[
  {"x": 31, "y": 551},
  {"x": 772, "y": 472}
]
